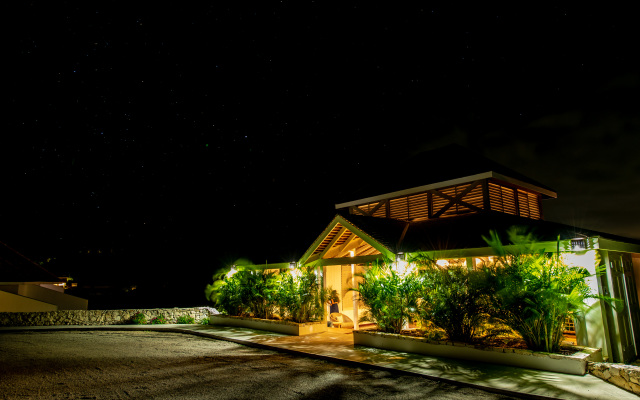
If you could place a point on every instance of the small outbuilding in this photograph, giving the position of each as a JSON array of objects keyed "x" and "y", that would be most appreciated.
[{"x": 26, "y": 286}]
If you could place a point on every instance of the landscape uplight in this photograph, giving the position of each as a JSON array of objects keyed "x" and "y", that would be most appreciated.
[{"x": 232, "y": 271}]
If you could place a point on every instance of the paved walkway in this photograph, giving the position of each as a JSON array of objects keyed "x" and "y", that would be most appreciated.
[{"x": 337, "y": 346}]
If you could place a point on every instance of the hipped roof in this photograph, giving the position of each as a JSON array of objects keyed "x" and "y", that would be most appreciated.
[{"x": 434, "y": 167}]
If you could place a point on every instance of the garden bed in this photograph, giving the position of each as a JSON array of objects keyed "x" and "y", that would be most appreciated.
[
  {"x": 575, "y": 364},
  {"x": 271, "y": 325}
]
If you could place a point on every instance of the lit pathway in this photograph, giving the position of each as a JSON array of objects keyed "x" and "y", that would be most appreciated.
[{"x": 337, "y": 345}]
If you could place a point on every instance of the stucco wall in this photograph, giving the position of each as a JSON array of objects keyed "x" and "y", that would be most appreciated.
[{"x": 96, "y": 317}]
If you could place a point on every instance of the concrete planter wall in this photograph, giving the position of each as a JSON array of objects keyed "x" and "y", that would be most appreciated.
[
  {"x": 286, "y": 327},
  {"x": 575, "y": 364}
]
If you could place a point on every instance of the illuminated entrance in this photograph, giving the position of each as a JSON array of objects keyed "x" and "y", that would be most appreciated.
[{"x": 342, "y": 251}]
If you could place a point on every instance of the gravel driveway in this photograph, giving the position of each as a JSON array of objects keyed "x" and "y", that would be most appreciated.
[{"x": 144, "y": 364}]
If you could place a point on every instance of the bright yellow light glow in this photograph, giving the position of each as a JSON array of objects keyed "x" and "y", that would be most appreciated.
[
  {"x": 231, "y": 272},
  {"x": 588, "y": 260},
  {"x": 352, "y": 253},
  {"x": 442, "y": 263},
  {"x": 403, "y": 268}
]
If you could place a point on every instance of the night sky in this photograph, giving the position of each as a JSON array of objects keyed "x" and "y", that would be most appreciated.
[{"x": 148, "y": 146}]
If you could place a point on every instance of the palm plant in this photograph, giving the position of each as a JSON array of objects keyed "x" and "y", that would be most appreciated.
[
  {"x": 534, "y": 291},
  {"x": 258, "y": 291},
  {"x": 225, "y": 295},
  {"x": 391, "y": 297},
  {"x": 301, "y": 297},
  {"x": 454, "y": 299}
]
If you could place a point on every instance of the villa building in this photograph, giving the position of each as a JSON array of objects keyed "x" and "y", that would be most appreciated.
[{"x": 446, "y": 213}]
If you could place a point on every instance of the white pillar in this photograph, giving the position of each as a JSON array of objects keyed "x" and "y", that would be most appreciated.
[{"x": 355, "y": 298}]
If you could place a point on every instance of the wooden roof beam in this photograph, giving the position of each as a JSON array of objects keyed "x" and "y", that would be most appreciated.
[{"x": 329, "y": 245}]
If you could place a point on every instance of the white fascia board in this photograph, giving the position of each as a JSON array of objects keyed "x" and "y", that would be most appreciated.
[{"x": 614, "y": 245}]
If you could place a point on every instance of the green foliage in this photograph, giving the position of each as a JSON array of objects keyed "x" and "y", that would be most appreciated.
[
  {"x": 245, "y": 292},
  {"x": 159, "y": 320},
  {"x": 301, "y": 297},
  {"x": 204, "y": 321},
  {"x": 534, "y": 291},
  {"x": 226, "y": 296},
  {"x": 185, "y": 319},
  {"x": 261, "y": 293},
  {"x": 455, "y": 299},
  {"x": 391, "y": 297},
  {"x": 258, "y": 291},
  {"x": 139, "y": 319}
]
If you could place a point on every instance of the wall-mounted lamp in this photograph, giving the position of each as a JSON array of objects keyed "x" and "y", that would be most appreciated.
[{"x": 578, "y": 244}]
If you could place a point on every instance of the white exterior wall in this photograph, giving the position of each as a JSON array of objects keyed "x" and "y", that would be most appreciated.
[
  {"x": 10, "y": 302},
  {"x": 61, "y": 300}
]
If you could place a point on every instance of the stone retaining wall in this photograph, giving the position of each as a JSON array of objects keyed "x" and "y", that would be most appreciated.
[
  {"x": 621, "y": 375},
  {"x": 97, "y": 317}
]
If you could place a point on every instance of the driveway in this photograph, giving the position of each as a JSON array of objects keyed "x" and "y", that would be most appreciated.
[{"x": 162, "y": 365}]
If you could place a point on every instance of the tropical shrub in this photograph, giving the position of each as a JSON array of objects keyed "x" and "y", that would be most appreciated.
[
  {"x": 534, "y": 291},
  {"x": 454, "y": 298},
  {"x": 298, "y": 297},
  {"x": 139, "y": 319},
  {"x": 204, "y": 321},
  {"x": 226, "y": 296},
  {"x": 258, "y": 291},
  {"x": 185, "y": 319},
  {"x": 390, "y": 296},
  {"x": 159, "y": 320},
  {"x": 301, "y": 297}
]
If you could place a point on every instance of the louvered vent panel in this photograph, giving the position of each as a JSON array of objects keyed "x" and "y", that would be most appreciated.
[
  {"x": 381, "y": 212},
  {"x": 509, "y": 200},
  {"x": 438, "y": 203},
  {"x": 534, "y": 206},
  {"x": 474, "y": 197},
  {"x": 495, "y": 197},
  {"x": 528, "y": 203},
  {"x": 399, "y": 208},
  {"x": 523, "y": 204},
  {"x": 419, "y": 206},
  {"x": 452, "y": 191}
]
